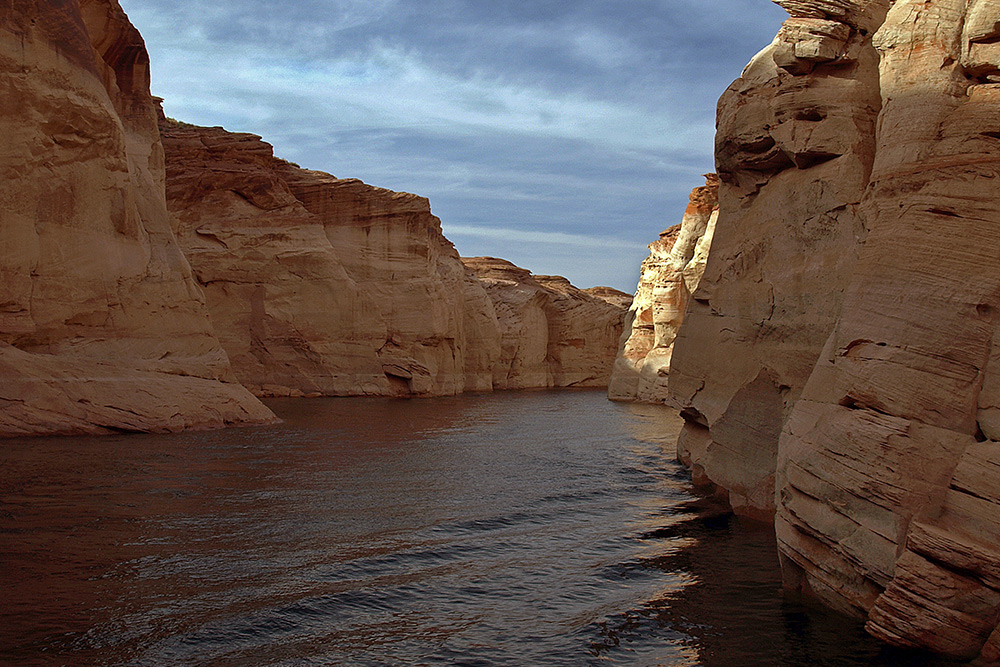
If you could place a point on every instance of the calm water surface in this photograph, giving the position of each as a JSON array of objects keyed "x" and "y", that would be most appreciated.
[{"x": 522, "y": 528}]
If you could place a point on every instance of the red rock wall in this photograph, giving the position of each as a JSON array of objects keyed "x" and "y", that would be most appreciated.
[
  {"x": 889, "y": 493},
  {"x": 668, "y": 278},
  {"x": 794, "y": 148},
  {"x": 324, "y": 286},
  {"x": 552, "y": 334}
]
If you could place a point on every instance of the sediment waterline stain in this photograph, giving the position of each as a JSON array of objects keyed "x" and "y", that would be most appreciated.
[{"x": 522, "y": 528}]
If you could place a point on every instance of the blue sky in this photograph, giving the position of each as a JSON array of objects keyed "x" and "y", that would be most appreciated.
[{"x": 561, "y": 135}]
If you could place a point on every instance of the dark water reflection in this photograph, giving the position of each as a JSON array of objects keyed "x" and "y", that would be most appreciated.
[{"x": 535, "y": 528}]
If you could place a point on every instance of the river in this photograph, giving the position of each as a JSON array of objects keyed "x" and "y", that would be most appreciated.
[{"x": 519, "y": 528}]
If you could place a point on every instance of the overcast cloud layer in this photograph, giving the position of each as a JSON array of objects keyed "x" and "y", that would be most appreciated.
[{"x": 561, "y": 135}]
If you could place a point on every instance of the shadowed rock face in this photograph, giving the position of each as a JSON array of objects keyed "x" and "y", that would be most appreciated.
[
  {"x": 552, "y": 334},
  {"x": 794, "y": 149},
  {"x": 888, "y": 483},
  {"x": 668, "y": 277},
  {"x": 838, "y": 366},
  {"x": 101, "y": 326}
]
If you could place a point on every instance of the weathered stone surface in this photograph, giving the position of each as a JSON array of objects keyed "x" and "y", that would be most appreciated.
[
  {"x": 393, "y": 247},
  {"x": 864, "y": 15},
  {"x": 324, "y": 286},
  {"x": 611, "y": 295},
  {"x": 668, "y": 277},
  {"x": 101, "y": 325},
  {"x": 327, "y": 286},
  {"x": 553, "y": 334},
  {"x": 913, "y": 350},
  {"x": 850, "y": 304},
  {"x": 794, "y": 149}
]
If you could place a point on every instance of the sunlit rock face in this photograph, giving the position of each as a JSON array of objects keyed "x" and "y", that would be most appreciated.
[
  {"x": 101, "y": 326},
  {"x": 327, "y": 286},
  {"x": 837, "y": 365},
  {"x": 552, "y": 334},
  {"x": 794, "y": 150},
  {"x": 667, "y": 279},
  {"x": 889, "y": 465},
  {"x": 324, "y": 286}
]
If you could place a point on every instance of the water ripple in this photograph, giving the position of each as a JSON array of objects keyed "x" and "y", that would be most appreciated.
[{"x": 531, "y": 528}]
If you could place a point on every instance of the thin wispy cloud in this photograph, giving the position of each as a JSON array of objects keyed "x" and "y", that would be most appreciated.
[
  {"x": 549, "y": 238},
  {"x": 533, "y": 128}
]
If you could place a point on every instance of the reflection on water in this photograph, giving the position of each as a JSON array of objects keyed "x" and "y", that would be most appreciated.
[{"x": 524, "y": 528}]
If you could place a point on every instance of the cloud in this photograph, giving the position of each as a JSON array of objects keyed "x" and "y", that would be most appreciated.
[
  {"x": 548, "y": 238},
  {"x": 570, "y": 121}
]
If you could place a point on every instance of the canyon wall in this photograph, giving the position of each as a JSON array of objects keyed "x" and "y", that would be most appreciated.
[
  {"x": 837, "y": 365},
  {"x": 101, "y": 326},
  {"x": 327, "y": 286},
  {"x": 667, "y": 279},
  {"x": 889, "y": 492},
  {"x": 552, "y": 334},
  {"x": 324, "y": 286},
  {"x": 302, "y": 284},
  {"x": 794, "y": 148}
]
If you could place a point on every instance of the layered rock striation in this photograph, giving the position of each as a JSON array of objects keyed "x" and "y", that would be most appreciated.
[
  {"x": 889, "y": 464},
  {"x": 552, "y": 333},
  {"x": 668, "y": 278},
  {"x": 314, "y": 285},
  {"x": 836, "y": 365},
  {"x": 794, "y": 150},
  {"x": 327, "y": 286},
  {"x": 324, "y": 286},
  {"x": 102, "y": 327}
]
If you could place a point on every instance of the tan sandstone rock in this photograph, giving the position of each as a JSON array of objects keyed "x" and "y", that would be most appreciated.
[
  {"x": 553, "y": 334},
  {"x": 611, "y": 295},
  {"x": 841, "y": 343},
  {"x": 324, "y": 286},
  {"x": 794, "y": 149},
  {"x": 888, "y": 468},
  {"x": 667, "y": 279},
  {"x": 101, "y": 326}
]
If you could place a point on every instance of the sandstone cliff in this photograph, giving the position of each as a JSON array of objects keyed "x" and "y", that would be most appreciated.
[
  {"x": 794, "y": 149},
  {"x": 324, "y": 286},
  {"x": 667, "y": 279},
  {"x": 837, "y": 364},
  {"x": 315, "y": 285},
  {"x": 552, "y": 334},
  {"x": 889, "y": 492},
  {"x": 101, "y": 326},
  {"x": 327, "y": 286}
]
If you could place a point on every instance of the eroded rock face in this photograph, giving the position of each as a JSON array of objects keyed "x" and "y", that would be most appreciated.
[
  {"x": 888, "y": 484},
  {"x": 794, "y": 151},
  {"x": 101, "y": 326},
  {"x": 668, "y": 277},
  {"x": 324, "y": 286},
  {"x": 841, "y": 344},
  {"x": 327, "y": 286},
  {"x": 552, "y": 334},
  {"x": 611, "y": 295}
]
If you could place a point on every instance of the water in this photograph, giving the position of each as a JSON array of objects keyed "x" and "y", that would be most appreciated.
[{"x": 522, "y": 528}]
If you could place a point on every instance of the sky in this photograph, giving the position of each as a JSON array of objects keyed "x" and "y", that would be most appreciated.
[{"x": 562, "y": 135}]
